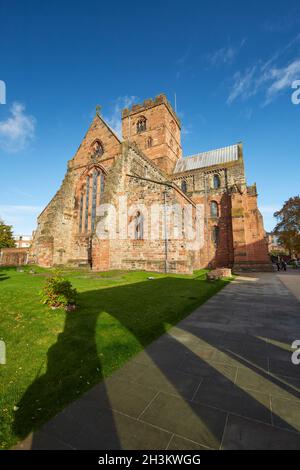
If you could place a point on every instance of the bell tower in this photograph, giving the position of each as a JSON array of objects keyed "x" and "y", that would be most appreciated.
[{"x": 155, "y": 128}]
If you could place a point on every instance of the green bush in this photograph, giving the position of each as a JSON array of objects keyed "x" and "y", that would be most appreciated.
[{"x": 58, "y": 292}]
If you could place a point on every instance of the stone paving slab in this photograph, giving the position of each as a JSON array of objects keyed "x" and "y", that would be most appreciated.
[{"x": 220, "y": 379}]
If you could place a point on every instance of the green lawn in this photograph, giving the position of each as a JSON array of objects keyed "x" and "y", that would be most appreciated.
[{"x": 54, "y": 356}]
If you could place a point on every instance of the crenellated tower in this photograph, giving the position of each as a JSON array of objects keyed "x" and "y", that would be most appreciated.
[{"x": 155, "y": 128}]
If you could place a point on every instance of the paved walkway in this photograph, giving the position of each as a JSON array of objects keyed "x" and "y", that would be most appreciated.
[{"x": 221, "y": 379}]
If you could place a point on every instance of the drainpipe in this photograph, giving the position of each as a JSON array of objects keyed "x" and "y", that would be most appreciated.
[{"x": 165, "y": 231}]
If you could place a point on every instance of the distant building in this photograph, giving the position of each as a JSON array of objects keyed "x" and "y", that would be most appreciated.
[
  {"x": 23, "y": 241},
  {"x": 273, "y": 245}
]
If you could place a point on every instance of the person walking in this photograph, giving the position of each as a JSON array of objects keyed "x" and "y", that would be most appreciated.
[
  {"x": 283, "y": 265},
  {"x": 278, "y": 263}
]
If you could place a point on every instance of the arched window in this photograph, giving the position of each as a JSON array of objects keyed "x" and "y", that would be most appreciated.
[
  {"x": 98, "y": 149},
  {"x": 87, "y": 199},
  {"x": 183, "y": 186},
  {"x": 215, "y": 234},
  {"x": 94, "y": 198},
  {"x": 149, "y": 142},
  {"x": 139, "y": 226},
  {"x": 141, "y": 125},
  {"x": 216, "y": 182},
  {"x": 90, "y": 196},
  {"x": 214, "y": 209},
  {"x": 80, "y": 211}
]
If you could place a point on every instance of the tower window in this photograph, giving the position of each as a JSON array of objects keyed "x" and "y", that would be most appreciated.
[
  {"x": 139, "y": 227},
  {"x": 149, "y": 142},
  {"x": 183, "y": 186},
  {"x": 214, "y": 209},
  {"x": 216, "y": 182},
  {"x": 141, "y": 125},
  {"x": 215, "y": 235}
]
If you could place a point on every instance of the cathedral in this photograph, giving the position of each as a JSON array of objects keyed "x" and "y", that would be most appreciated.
[{"x": 112, "y": 210}]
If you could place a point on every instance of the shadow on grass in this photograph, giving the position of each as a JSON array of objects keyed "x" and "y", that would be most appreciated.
[
  {"x": 111, "y": 326},
  {"x": 3, "y": 277}
]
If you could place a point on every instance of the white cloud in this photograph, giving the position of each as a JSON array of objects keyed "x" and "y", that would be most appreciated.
[
  {"x": 266, "y": 77},
  {"x": 243, "y": 85},
  {"x": 283, "y": 78},
  {"x": 225, "y": 55},
  {"x": 115, "y": 118},
  {"x": 21, "y": 217},
  {"x": 17, "y": 130}
]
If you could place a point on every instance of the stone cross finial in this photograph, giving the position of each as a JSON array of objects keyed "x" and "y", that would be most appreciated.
[{"x": 98, "y": 109}]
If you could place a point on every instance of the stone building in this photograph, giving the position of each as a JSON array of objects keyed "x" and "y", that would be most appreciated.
[{"x": 112, "y": 210}]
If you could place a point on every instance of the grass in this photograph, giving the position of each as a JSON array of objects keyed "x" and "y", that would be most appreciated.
[{"x": 53, "y": 356}]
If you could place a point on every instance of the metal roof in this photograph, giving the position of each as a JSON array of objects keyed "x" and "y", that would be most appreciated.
[{"x": 204, "y": 159}]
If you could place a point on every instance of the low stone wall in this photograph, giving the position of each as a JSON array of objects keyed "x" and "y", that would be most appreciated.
[
  {"x": 13, "y": 256},
  {"x": 218, "y": 273}
]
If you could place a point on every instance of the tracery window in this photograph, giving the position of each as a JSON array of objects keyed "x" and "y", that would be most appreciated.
[
  {"x": 90, "y": 195},
  {"x": 98, "y": 149},
  {"x": 94, "y": 199}
]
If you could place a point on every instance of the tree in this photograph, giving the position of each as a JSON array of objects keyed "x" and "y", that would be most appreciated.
[
  {"x": 288, "y": 225},
  {"x": 6, "y": 236}
]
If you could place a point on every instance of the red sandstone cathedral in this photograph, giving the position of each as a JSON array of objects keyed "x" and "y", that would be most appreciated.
[{"x": 147, "y": 168}]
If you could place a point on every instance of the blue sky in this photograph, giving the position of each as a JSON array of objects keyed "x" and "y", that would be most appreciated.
[{"x": 231, "y": 66}]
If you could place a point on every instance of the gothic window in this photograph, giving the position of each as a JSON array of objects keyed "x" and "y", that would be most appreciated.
[
  {"x": 172, "y": 125},
  {"x": 87, "y": 200},
  {"x": 102, "y": 182},
  {"x": 94, "y": 199},
  {"x": 214, "y": 209},
  {"x": 215, "y": 234},
  {"x": 97, "y": 148},
  {"x": 139, "y": 226},
  {"x": 216, "y": 182},
  {"x": 80, "y": 211},
  {"x": 141, "y": 125},
  {"x": 149, "y": 142},
  {"x": 184, "y": 186},
  {"x": 89, "y": 197}
]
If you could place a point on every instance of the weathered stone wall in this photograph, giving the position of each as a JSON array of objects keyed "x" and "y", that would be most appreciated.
[
  {"x": 57, "y": 240},
  {"x": 144, "y": 185},
  {"x": 13, "y": 256}
]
